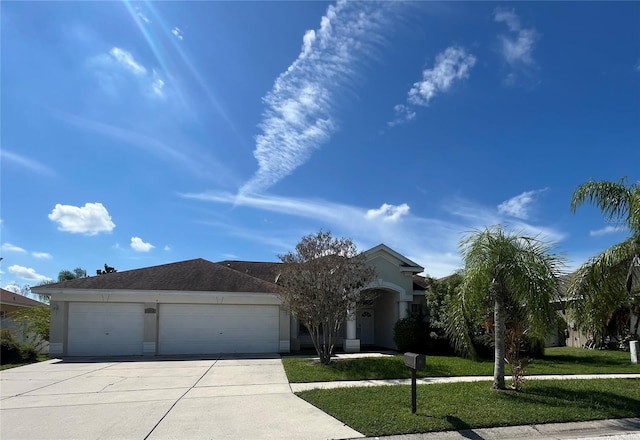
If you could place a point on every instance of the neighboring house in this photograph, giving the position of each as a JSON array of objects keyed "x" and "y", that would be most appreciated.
[
  {"x": 201, "y": 307},
  {"x": 10, "y": 305}
]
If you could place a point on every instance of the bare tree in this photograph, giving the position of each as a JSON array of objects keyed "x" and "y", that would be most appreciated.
[{"x": 322, "y": 283}]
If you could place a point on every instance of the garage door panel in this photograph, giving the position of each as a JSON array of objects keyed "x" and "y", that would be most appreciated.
[
  {"x": 205, "y": 329},
  {"x": 105, "y": 329}
]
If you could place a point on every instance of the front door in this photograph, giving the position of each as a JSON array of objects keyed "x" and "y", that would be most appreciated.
[{"x": 365, "y": 325}]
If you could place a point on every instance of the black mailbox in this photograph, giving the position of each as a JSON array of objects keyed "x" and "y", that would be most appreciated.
[{"x": 415, "y": 361}]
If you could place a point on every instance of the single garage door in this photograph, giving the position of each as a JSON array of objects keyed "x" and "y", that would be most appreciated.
[
  {"x": 105, "y": 329},
  {"x": 206, "y": 329}
]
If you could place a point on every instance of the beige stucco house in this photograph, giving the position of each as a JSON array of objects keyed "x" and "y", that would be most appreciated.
[
  {"x": 10, "y": 305},
  {"x": 202, "y": 307}
]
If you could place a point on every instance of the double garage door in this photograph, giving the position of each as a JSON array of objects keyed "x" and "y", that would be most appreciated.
[{"x": 109, "y": 329}]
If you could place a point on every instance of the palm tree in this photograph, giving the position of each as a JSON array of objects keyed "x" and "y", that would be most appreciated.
[
  {"x": 504, "y": 268},
  {"x": 609, "y": 281}
]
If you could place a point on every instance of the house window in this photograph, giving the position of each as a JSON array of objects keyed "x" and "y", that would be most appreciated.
[
  {"x": 366, "y": 314},
  {"x": 415, "y": 308},
  {"x": 1, "y": 313}
]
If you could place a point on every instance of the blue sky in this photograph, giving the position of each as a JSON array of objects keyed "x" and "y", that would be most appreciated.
[{"x": 137, "y": 134}]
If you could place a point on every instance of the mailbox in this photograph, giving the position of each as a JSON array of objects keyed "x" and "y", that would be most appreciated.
[{"x": 415, "y": 361}]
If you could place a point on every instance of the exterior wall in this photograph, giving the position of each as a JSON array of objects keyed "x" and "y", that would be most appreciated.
[
  {"x": 152, "y": 300},
  {"x": 386, "y": 315}
]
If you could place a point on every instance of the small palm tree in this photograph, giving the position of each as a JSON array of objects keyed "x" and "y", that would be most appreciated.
[
  {"x": 503, "y": 268},
  {"x": 609, "y": 281}
]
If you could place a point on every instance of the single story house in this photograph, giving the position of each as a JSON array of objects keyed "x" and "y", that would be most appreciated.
[
  {"x": 202, "y": 307},
  {"x": 10, "y": 305}
]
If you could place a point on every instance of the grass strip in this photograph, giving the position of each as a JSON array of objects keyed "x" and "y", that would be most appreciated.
[
  {"x": 559, "y": 360},
  {"x": 386, "y": 410}
]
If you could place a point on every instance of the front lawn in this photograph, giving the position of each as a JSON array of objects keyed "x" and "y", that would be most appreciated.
[
  {"x": 40, "y": 358},
  {"x": 386, "y": 410},
  {"x": 557, "y": 360}
]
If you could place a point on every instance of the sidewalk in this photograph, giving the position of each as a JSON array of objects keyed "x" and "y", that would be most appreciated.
[
  {"x": 297, "y": 387},
  {"x": 626, "y": 429}
]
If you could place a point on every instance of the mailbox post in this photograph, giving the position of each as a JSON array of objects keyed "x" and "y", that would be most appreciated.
[{"x": 416, "y": 362}]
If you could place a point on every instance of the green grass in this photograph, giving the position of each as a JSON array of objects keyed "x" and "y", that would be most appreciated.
[
  {"x": 386, "y": 410},
  {"x": 559, "y": 360},
  {"x": 41, "y": 357}
]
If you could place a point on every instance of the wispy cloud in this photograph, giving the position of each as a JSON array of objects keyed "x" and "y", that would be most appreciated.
[
  {"x": 453, "y": 64},
  {"x": 431, "y": 242},
  {"x": 178, "y": 33},
  {"x": 519, "y": 205},
  {"x": 126, "y": 60},
  {"x": 8, "y": 247},
  {"x": 517, "y": 46},
  {"x": 607, "y": 230},
  {"x": 140, "y": 246},
  {"x": 118, "y": 66},
  {"x": 25, "y": 162},
  {"x": 299, "y": 108},
  {"x": 141, "y": 15},
  {"x": 90, "y": 219},
  {"x": 177, "y": 151},
  {"x": 387, "y": 212},
  {"x": 42, "y": 255},
  {"x": 27, "y": 273}
]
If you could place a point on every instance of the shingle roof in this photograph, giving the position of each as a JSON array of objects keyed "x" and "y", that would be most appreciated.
[
  {"x": 267, "y": 271},
  {"x": 190, "y": 275},
  {"x": 7, "y": 297}
]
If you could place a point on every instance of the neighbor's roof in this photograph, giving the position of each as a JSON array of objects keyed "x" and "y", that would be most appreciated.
[
  {"x": 267, "y": 271},
  {"x": 190, "y": 275},
  {"x": 7, "y": 297}
]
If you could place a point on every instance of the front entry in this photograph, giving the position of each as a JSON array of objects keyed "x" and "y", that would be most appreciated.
[{"x": 366, "y": 327}]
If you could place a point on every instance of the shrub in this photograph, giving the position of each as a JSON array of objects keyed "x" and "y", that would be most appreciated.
[
  {"x": 10, "y": 348},
  {"x": 412, "y": 333}
]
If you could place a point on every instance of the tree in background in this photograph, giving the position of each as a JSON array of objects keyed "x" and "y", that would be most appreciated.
[
  {"x": 607, "y": 287},
  {"x": 65, "y": 275},
  {"x": 322, "y": 283},
  {"x": 503, "y": 268},
  {"x": 36, "y": 322}
]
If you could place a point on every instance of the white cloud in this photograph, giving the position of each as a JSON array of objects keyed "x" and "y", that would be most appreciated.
[
  {"x": 117, "y": 68},
  {"x": 606, "y": 230},
  {"x": 26, "y": 162},
  {"x": 8, "y": 247},
  {"x": 451, "y": 65},
  {"x": 157, "y": 85},
  {"x": 388, "y": 212},
  {"x": 167, "y": 248},
  {"x": 43, "y": 255},
  {"x": 27, "y": 273},
  {"x": 299, "y": 108},
  {"x": 13, "y": 287},
  {"x": 403, "y": 114},
  {"x": 517, "y": 46},
  {"x": 141, "y": 15},
  {"x": 91, "y": 219},
  {"x": 519, "y": 205},
  {"x": 126, "y": 60},
  {"x": 140, "y": 246},
  {"x": 430, "y": 242},
  {"x": 178, "y": 33}
]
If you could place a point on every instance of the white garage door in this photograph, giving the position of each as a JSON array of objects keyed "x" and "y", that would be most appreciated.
[
  {"x": 105, "y": 329},
  {"x": 205, "y": 329}
]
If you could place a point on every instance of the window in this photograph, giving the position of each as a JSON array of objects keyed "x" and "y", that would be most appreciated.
[
  {"x": 365, "y": 314},
  {"x": 415, "y": 308}
]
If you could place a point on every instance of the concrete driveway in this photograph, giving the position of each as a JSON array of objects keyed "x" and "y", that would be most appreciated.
[{"x": 227, "y": 398}]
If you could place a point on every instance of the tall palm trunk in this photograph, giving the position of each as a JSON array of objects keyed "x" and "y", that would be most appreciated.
[{"x": 499, "y": 331}]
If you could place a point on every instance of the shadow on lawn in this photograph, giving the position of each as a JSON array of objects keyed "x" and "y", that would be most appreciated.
[
  {"x": 383, "y": 368},
  {"x": 590, "y": 360},
  {"x": 614, "y": 404}
]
